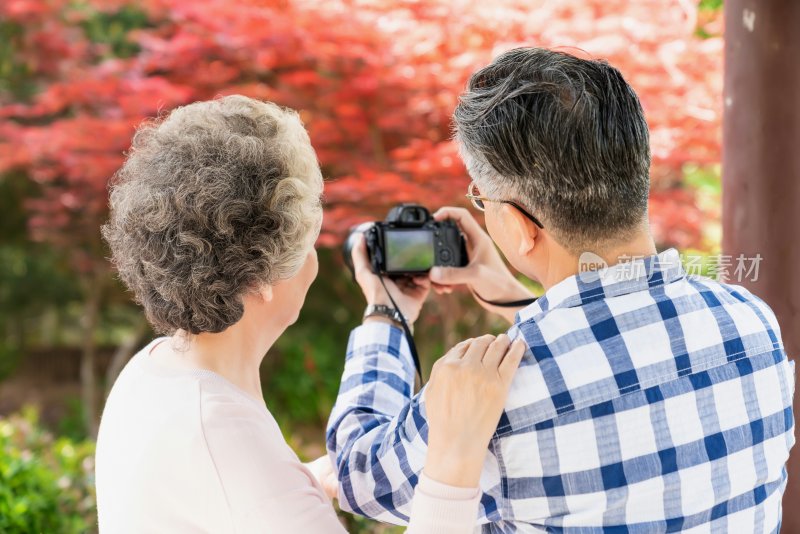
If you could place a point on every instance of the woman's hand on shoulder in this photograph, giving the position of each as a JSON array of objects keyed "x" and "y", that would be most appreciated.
[{"x": 464, "y": 400}]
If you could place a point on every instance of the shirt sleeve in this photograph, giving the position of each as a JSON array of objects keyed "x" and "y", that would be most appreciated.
[
  {"x": 377, "y": 433},
  {"x": 299, "y": 508},
  {"x": 441, "y": 509},
  {"x": 266, "y": 487}
]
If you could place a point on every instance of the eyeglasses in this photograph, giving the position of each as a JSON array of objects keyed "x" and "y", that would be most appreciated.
[{"x": 478, "y": 201}]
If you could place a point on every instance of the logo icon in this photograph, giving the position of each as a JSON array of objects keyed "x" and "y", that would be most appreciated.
[{"x": 589, "y": 265}]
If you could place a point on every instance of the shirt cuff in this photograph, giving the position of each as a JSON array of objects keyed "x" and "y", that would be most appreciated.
[
  {"x": 376, "y": 331},
  {"x": 379, "y": 336},
  {"x": 442, "y": 509},
  {"x": 445, "y": 491}
]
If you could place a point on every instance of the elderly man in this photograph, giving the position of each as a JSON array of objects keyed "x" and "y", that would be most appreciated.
[{"x": 648, "y": 400}]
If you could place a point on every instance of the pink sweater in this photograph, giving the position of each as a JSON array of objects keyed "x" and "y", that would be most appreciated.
[{"x": 187, "y": 451}]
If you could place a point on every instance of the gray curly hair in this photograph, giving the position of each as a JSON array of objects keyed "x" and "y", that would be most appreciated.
[{"x": 216, "y": 199}]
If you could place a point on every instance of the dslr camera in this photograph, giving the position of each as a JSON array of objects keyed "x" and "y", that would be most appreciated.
[{"x": 409, "y": 242}]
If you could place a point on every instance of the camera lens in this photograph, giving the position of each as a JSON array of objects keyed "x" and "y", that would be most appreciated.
[{"x": 349, "y": 243}]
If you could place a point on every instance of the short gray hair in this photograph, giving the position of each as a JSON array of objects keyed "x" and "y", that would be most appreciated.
[
  {"x": 216, "y": 199},
  {"x": 565, "y": 137}
]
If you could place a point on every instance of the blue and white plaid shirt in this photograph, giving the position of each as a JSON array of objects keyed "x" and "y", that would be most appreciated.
[{"x": 648, "y": 401}]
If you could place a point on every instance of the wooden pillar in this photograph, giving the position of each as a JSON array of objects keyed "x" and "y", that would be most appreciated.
[{"x": 761, "y": 171}]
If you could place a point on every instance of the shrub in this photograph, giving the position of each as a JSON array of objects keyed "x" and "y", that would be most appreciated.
[{"x": 46, "y": 483}]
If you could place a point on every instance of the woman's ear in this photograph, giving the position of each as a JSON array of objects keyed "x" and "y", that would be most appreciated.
[
  {"x": 266, "y": 293},
  {"x": 524, "y": 231}
]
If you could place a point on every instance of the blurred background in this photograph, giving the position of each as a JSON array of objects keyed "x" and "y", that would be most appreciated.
[{"x": 375, "y": 82}]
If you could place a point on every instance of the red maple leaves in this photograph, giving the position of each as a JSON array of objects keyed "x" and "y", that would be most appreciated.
[{"x": 375, "y": 83}]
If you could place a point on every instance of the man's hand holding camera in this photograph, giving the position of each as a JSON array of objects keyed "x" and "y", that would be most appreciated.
[
  {"x": 409, "y": 293},
  {"x": 486, "y": 274},
  {"x": 442, "y": 265}
]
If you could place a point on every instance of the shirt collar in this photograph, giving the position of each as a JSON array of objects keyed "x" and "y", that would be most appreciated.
[{"x": 628, "y": 276}]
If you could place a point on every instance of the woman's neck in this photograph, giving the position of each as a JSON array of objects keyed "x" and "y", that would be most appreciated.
[{"x": 235, "y": 354}]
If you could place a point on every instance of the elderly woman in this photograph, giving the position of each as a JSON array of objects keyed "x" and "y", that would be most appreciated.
[{"x": 213, "y": 221}]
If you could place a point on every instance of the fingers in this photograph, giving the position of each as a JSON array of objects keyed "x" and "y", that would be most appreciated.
[
  {"x": 463, "y": 218},
  {"x": 412, "y": 283},
  {"x": 331, "y": 485},
  {"x": 508, "y": 366},
  {"x": 478, "y": 348},
  {"x": 440, "y": 289},
  {"x": 322, "y": 470},
  {"x": 451, "y": 276},
  {"x": 391, "y": 286},
  {"x": 360, "y": 259},
  {"x": 458, "y": 351},
  {"x": 496, "y": 351},
  {"x": 422, "y": 281},
  {"x": 416, "y": 287}
]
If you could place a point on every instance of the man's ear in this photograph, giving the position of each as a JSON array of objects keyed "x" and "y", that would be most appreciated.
[{"x": 524, "y": 231}]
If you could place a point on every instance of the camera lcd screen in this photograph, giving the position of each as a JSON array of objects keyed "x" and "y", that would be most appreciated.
[{"x": 409, "y": 250}]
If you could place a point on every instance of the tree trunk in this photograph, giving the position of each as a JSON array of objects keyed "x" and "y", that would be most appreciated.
[
  {"x": 89, "y": 321},
  {"x": 124, "y": 353},
  {"x": 761, "y": 169}
]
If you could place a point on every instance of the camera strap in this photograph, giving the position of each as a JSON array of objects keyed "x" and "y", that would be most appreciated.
[
  {"x": 511, "y": 304},
  {"x": 412, "y": 347}
]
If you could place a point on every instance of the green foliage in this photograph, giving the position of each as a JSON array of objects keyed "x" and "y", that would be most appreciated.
[
  {"x": 706, "y": 184},
  {"x": 15, "y": 189},
  {"x": 15, "y": 75},
  {"x": 705, "y": 179},
  {"x": 73, "y": 424},
  {"x": 710, "y": 5},
  {"x": 33, "y": 278},
  {"x": 112, "y": 29},
  {"x": 45, "y": 483},
  {"x": 9, "y": 359},
  {"x": 33, "y": 284},
  {"x": 301, "y": 374},
  {"x": 303, "y": 388},
  {"x": 708, "y": 12},
  {"x": 359, "y": 525}
]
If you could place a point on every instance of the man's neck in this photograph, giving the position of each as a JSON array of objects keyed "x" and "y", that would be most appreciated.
[{"x": 562, "y": 264}]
